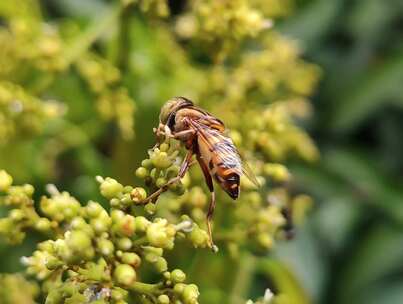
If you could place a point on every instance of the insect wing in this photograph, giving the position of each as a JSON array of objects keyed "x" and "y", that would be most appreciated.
[
  {"x": 247, "y": 171},
  {"x": 230, "y": 155}
]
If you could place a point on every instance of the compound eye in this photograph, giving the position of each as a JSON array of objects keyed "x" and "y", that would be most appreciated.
[{"x": 171, "y": 121}]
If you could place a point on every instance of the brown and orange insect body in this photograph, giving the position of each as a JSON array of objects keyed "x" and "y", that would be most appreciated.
[{"x": 203, "y": 135}]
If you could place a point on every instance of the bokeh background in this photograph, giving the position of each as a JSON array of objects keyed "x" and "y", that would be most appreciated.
[{"x": 349, "y": 249}]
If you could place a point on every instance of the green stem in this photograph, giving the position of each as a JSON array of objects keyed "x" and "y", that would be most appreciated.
[
  {"x": 123, "y": 42},
  {"x": 144, "y": 288},
  {"x": 246, "y": 270},
  {"x": 92, "y": 34},
  {"x": 141, "y": 241},
  {"x": 284, "y": 280}
]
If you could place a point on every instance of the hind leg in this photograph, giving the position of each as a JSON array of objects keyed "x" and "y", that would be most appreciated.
[{"x": 210, "y": 212}]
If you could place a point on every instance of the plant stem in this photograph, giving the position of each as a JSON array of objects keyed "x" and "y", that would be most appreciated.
[
  {"x": 246, "y": 270},
  {"x": 92, "y": 33},
  {"x": 144, "y": 288}
]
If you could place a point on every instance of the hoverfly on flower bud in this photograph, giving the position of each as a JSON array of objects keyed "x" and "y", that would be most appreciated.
[{"x": 204, "y": 136}]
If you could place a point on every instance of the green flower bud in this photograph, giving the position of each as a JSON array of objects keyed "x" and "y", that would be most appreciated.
[
  {"x": 93, "y": 209},
  {"x": 127, "y": 189},
  {"x": 142, "y": 223},
  {"x": 126, "y": 226},
  {"x": 124, "y": 274},
  {"x": 131, "y": 258},
  {"x": 100, "y": 224},
  {"x": 52, "y": 263},
  {"x": 16, "y": 215},
  {"x": 198, "y": 237},
  {"x": 110, "y": 188},
  {"x": 118, "y": 294},
  {"x": 142, "y": 172},
  {"x": 79, "y": 242},
  {"x": 150, "y": 208},
  {"x": 124, "y": 243},
  {"x": 115, "y": 202},
  {"x": 43, "y": 224},
  {"x": 105, "y": 247},
  {"x": 161, "y": 160},
  {"x": 179, "y": 288},
  {"x": 158, "y": 235},
  {"x": 190, "y": 294},
  {"x": 5, "y": 180},
  {"x": 161, "y": 181},
  {"x": 164, "y": 147},
  {"x": 138, "y": 194},
  {"x": 163, "y": 299},
  {"x": 178, "y": 276},
  {"x": 161, "y": 264},
  {"x": 146, "y": 163},
  {"x": 28, "y": 189},
  {"x": 117, "y": 215}
]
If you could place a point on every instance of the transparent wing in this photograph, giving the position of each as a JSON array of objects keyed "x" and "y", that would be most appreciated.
[{"x": 223, "y": 145}]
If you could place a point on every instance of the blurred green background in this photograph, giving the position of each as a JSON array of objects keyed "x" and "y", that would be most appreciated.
[{"x": 350, "y": 249}]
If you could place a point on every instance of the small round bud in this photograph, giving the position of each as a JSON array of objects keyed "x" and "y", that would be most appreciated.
[
  {"x": 161, "y": 264},
  {"x": 161, "y": 160},
  {"x": 17, "y": 214},
  {"x": 43, "y": 224},
  {"x": 124, "y": 274},
  {"x": 161, "y": 181},
  {"x": 78, "y": 240},
  {"x": 105, "y": 247},
  {"x": 5, "y": 180},
  {"x": 146, "y": 163},
  {"x": 178, "y": 276},
  {"x": 117, "y": 215},
  {"x": 150, "y": 208},
  {"x": 163, "y": 299},
  {"x": 198, "y": 237},
  {"x": 179, "y": 288},
  {"x": 142, "y": 172},
  {"x": 93, "y": 209},
  {"x": 28, "y": 189},
  {"x": 131, "y": 258},
  {"x": 110, "y": 188},
  {"x": 190, "y": 294},
  {"x": 138, "y": 194},
  {"x": 124, "y": 243},
  {"x": 164, "y": 147},
  {"x": 142, "y": 223}
]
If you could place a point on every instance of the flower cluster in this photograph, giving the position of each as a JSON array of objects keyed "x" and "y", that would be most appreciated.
[
  {"x": 22, "y": 114},
  {"x": 113, "y": 102},
  {"x": 94, "y": 253},
  {"x": 11, "y": 286},
  {"x": 122, "y": 253},
  {"x": 221, "y": 25}
]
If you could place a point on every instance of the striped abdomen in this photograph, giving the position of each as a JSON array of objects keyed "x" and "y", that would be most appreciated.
[{"x": 222, "y": 160}]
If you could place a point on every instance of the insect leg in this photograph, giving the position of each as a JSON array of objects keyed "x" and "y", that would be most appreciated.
[
  {"x": 184, "y": 135},
  {"x": 182, "y": 171},
  {"x": 210, "y": 212}
]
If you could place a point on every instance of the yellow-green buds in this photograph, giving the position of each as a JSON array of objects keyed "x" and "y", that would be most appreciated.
[
  {"x": 161, "y": 234},
  {"x": 5, "y": 180},
  {"x": 109, "y": 187},
  {"x": 190, "y": 294},
  {"x": 124, "y": 274},
  {"x": 178, "y": 276},
  {"x": 138, "y": 194},
  {"x": 163, "y": 299}
]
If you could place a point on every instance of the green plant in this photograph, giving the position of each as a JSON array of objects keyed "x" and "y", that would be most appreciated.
[{"x": 101, "y": 245}]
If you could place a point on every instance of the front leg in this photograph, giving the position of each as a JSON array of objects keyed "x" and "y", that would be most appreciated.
[{"x": 182, "y": 171}]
